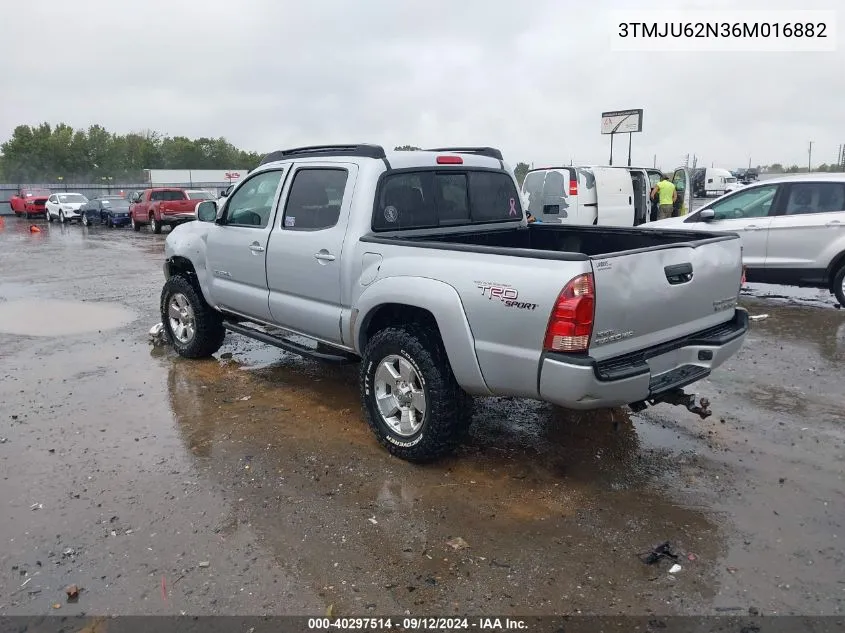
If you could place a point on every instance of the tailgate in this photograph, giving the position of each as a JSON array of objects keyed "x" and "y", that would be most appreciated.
[
  {"x": 650, "y": 296},
  {"x": 179, "y": 206}
]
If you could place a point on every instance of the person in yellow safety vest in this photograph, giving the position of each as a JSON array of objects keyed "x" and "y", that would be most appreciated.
[{"x": 667, "y": 195}]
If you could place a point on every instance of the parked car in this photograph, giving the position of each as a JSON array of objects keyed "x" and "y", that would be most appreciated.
[
  {"x": 199, "y": 194},
  {"x": 792, "y": 229},
  {"x": 422, "y": 266},
  {"x": 64, "y": 207},
  {"x": 36, "y": 199},
  {"x": 109, "y": 210},
  {"x": 159, "y": 207}
]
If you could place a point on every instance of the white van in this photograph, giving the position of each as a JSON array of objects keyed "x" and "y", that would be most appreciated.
[{"x": 609, "y": 196}]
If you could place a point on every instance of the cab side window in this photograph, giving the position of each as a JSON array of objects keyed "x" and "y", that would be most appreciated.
[{"x": 252, "y": 204}]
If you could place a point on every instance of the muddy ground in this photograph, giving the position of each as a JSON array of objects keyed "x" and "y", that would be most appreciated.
[{"x": 250, "y": 484}]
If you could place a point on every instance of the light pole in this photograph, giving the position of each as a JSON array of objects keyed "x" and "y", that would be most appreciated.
[
  {"x": 109, "y": 179},
  {"x": 810, "y": 158},
  {"x": 60, "y": 179}
]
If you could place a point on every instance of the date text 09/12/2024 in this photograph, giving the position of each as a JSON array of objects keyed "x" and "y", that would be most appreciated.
[{"x": 416, "y": 624}]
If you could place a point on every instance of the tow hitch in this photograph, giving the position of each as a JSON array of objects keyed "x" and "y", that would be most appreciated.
[{"x": 676, "y": 397}]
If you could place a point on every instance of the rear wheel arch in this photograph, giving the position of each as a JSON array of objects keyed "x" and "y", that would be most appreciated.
[
  {"x": 835, "y": 266},
  {"x": 394, "y": 314}
]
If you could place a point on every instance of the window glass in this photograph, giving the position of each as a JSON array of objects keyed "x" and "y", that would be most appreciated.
[
  {"x": 406, "y": 201},
  {"x": 653, "y": 179},
  {"x": 494, "y": 197},
  {"x": 167, "y": 195},
  {"x": 746, "y": 203},
  {"x": 532, "y": 187},
  {"x": 815, "y": 197},
  {"x": 314, "y": 199},
  {"x": 450, "y": 195},
  {"x": 252, "y": 204},
  {"x": 438, "y": 198}
]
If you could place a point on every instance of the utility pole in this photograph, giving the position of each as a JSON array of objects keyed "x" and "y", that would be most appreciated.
[
  {"x": 629, "y": 148},
  {"x": 612, "y": 134},
  {"x": 810, "y": 158},
  {"x": 655, "y": 161},
  {"x": 749, "y": 162}
]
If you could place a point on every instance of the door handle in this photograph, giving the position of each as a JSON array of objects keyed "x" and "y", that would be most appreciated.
[
  {"x": 324, "y": 256},
  {"x": 752, "y": 227},
  {"x": 834, "y": 223},
  {"x": 679, "y": 273},
  {"x": 255, "y": 247}
]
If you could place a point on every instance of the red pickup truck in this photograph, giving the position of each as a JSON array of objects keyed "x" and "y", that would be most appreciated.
[
  {"x": 29, "y": 202},
  {"x": 163, "y": 206}
]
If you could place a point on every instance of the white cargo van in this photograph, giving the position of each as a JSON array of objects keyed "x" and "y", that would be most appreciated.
[{"x": 609, "y": 196}]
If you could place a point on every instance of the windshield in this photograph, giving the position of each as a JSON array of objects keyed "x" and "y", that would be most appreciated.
[
  {"x": 199, "y": 195},
  {"x": 730, "y": 179},
  {"x": 35, "y": 192},
  {"x": 115, "y": 203},
  {"x": 71, "y": 198}
]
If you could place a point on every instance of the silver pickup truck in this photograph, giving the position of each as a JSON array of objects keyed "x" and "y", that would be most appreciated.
[{"x": 421, "y": 266}]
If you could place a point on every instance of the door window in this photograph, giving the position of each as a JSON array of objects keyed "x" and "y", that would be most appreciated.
[
  {"x": 314, "y": 200},
  {"x": 815, "y": 197},
  {"x": 748, "y": 203},
  {"x": 679, "y": 179},
  {"x": 252, "y": 203}
]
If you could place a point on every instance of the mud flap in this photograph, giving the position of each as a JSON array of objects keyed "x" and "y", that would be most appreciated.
[{"x": 679, "y": 398}]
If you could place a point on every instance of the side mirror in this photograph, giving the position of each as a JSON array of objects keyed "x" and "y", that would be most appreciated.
[
  {"x": 207, "y": 211},
  {"x": 705, "y": 215}
]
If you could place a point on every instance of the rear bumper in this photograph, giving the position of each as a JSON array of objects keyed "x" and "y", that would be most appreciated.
[
  {"x": 177, "y": 218},
  {"x": 581, "y": 382}
]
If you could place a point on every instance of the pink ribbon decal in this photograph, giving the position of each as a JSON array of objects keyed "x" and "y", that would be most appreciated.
[{"x": 513, "y": 207}]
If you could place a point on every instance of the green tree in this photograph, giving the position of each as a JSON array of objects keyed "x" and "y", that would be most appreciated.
[{"x": 520, "y": 172}]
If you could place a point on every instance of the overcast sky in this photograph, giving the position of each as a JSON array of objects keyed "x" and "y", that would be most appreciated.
[{"x": 529, "y": 77}]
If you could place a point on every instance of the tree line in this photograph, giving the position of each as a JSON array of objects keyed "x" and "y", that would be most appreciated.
[{"x": 46, "y": 153}]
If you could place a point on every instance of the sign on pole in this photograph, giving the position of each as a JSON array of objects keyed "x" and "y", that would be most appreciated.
[{"x": 621, "y": 121}]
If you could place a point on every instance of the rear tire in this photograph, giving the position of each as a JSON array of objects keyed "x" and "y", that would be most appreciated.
[
  {"x": 448, "y": 408},
  {"x": 209, "y": 332},
  {"x": 839, "y": 285}
]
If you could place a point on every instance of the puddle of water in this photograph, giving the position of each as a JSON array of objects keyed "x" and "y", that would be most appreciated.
[{"x": 54, "y": 317}]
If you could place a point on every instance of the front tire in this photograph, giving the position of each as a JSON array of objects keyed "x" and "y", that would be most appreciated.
[
  {"x": 411, "y": 399},
  {"x": 61, "y": 217},
  {"x": 85, "y": 221},
  {"x": 839, "y": 285},
  {"x": 50, "y": 217},
  {"x": 193, "y": 327},
  {"x": 135, "y": 226},
  {"x": 155, "y": 225}
]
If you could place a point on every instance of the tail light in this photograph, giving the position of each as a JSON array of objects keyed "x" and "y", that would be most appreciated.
[
  {"x": 573, "y": 187},
  {"x": 571, "y": 323},
  {"x": 450, "y": 160}
]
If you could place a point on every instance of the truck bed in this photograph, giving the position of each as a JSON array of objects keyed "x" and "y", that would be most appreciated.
[{"x": 554, "y": 241}]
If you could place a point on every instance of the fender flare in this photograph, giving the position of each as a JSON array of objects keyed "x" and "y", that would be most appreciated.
[
  {"x": 444, "y": 303},
  {"x": 189, "y": 247}
]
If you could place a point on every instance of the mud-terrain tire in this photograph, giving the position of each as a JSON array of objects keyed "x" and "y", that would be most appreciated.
[
  {"x": 155, "y": 225},
  {"x": 208, "y": 330},
  {"x": 838, "y": 289},
  {"x": 135, "y": 226},
  {"x": 448, "y": 408}
]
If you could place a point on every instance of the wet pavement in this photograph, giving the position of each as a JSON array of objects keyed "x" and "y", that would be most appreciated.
[{"x": 250, "y": 484}]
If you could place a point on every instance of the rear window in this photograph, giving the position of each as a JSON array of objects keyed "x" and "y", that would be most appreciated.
[
  {"x": 167, "y": 195},
  {"x": 423, "y": 199}
]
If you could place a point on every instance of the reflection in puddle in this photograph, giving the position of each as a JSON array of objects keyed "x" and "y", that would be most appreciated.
[{"x": 53, "y": 317}]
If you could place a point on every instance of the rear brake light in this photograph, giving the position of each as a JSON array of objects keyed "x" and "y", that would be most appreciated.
[
  {"x": 573, "y": 187},
  {"x": 450, "y": 160},
  {"x": 571, "y": 322}
]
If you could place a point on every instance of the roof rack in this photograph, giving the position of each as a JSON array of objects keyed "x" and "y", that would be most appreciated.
[
  {"x": 366, "y": 151},
  {"x": 490, "y": 152}
]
